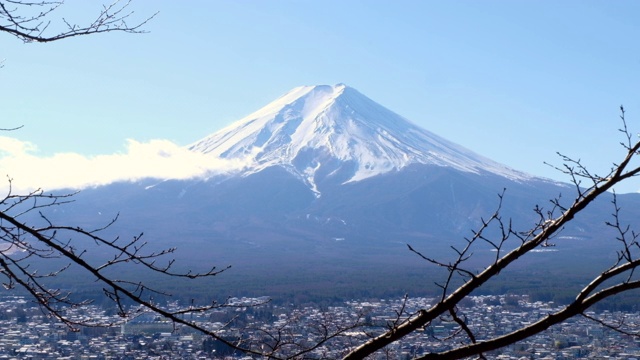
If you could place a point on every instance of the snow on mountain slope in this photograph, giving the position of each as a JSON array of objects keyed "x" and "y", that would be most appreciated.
[{"x": 330, "y": 129}]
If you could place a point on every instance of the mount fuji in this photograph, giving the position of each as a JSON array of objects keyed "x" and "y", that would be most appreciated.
[
  {"x": 319, "y": 132},
  {"x": 330, "y": 188}
]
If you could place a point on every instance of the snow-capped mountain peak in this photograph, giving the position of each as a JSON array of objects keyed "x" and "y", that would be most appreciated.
[{"x": 321, "y": 131}]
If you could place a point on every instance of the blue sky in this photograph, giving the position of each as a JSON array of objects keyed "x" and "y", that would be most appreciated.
[{"x": 515, "y": 81}]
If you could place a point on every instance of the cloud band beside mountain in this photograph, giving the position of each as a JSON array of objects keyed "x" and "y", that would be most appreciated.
[{"x": 160, "y": 159}]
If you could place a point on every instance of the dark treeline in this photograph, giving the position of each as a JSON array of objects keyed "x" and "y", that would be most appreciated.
[{"x": 550, "y": 284}]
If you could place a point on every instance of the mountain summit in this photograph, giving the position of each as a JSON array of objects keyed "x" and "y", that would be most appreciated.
[{"x": 327, "y": 132}]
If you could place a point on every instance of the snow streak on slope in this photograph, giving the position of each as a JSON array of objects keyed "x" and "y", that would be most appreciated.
[{"x": 336, "y": 129}]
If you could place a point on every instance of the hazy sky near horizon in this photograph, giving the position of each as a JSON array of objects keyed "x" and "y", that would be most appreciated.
[{"x": 515, "y": 81}]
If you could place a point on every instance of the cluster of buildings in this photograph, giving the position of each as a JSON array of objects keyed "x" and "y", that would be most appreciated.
[
  {"x": 28, "y": 333},
  {"x": 495, "y": 315}
]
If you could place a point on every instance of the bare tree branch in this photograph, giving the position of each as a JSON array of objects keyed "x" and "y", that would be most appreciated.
[
  {"x": 30, "y": 21},
  {"x": 550, "y": 223}
]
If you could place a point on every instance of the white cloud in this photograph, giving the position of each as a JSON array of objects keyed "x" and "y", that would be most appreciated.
[
  {"x": 11, "y": 146},
  {"x": 159, "y": 159}
]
